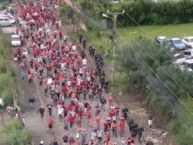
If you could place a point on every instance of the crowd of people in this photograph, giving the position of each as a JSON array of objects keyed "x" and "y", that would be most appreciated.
[{"x": 61, "y": 69}]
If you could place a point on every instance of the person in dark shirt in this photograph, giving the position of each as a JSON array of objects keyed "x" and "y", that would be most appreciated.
[
  {"x": 41, "y": 142},
  {"x": 49, "y": 106},
  {"x": 65, "y": 139},
  {"x": 55, "y": 142},
  {"x": 140, "y": 132},
  {"x": 149, "y": 143},
  {"x": 71, "y": 140},
  {"x": 41, "y": 110},
  {"x": 31, "y": 102}
]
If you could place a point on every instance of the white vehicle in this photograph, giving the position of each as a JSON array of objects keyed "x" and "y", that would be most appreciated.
[
  {"x": 188, "y": 54},
  {"x": 161, "y": 39},
  {"x": 1, "y": 102},
  {"x": 178, "y": 59},
  {"x": 115, "y": 1},
  {"x": 188, "y": 41},
  {"x": 188, "y": 65},
  {"x": 15, "y": 40},
  {"x": 6, "y": 20}
]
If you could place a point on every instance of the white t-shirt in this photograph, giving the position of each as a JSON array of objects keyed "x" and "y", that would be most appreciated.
[
  {"x": 80, "y": 71},
  {"x": 150, "y": 122},
  {"x": 93, "y": 135},
  {"x": 84, "y": 61},
  {"x": 60, "y": 110},
  {"x": 74, "y": 47},
  {"x": 69, "y": 83},
  {"x": 49, "y": 81},
  {"x": 79, "y": 81}
]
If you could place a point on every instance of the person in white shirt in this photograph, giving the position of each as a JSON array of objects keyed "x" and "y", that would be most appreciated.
[
  {"x": 60, "y": 112},
  {"x": 84, "y": 62}
]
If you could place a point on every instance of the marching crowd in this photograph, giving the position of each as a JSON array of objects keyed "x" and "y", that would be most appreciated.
[{"x": 61, "y": 69}]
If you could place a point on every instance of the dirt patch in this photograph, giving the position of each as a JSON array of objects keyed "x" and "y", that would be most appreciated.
[{"x": 132, "y": 98}]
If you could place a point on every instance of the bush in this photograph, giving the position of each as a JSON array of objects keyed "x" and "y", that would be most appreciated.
[
  {"x": 145, "y": 12},
  {"x": 7, "y": 96},
  {"x": 4, "y": 81},
  {"x": 148, "y": 13},
  {"x": 184, "y": 136},
  {"x": 2, "y": 65},
  {"x": 5, "y": 86},
  {"x": 13, "y": 134}
]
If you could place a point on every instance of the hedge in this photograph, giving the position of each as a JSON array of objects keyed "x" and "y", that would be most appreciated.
[{"x": 150, "y": 13}]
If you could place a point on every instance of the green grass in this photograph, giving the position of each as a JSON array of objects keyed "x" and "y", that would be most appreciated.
[
  {"x": 128, "y": 34},
  {"x": 125, "y": 35},
  {"x": 12, "y": 134}
]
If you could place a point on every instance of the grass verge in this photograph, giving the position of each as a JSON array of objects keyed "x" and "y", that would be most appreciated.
[{"x": 101, "y": 39}]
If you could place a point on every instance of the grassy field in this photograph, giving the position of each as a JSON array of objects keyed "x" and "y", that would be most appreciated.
[
  {"x": 181, "y": 30},
  {"x": 100, "y": 39}
]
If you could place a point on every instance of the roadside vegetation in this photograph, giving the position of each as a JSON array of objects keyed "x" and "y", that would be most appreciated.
[
  {"x": 145, "y": 12},
  {"x": 4, "y": 4},
  {"x": 5, "y": 73},
  {"x": 13, "y": 134}
]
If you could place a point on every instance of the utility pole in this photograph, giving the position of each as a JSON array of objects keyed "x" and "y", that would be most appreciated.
[
  {"x": 114, "y": 30},
  {"x": 73, "y": 16}
]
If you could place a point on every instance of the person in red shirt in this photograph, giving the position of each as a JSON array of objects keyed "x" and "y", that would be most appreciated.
[
  {"x": 71, "y": 120},
  {"x": 107, "y": 138},
  {"x": 122, "y": 126},
  {"x": 80, "y": 113},
  {"x": 110, "y": 101},
  {"x": 60, "y": 34},
  {"x": 88, "y": 116},
  {"x": 131, "y": 141},
  {"x": 98, "y": 121},
  {"x": 65, "y": 90},
  {"x": 30, "y": 76},
  {"x": 71, "y": 140},
  {"x": 50, "y": 124},
  {"x": 114, "y": 128}
]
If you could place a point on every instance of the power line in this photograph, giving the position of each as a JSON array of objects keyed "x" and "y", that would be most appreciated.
[
  {"x": 158, "y": 77},
  {"x": 157, "y": 63}
]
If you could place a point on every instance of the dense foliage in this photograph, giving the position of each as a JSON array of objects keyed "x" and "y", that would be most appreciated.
[
  {"x": 148, "y": 67},
  {"x": 5, "y": 86},
  {"x": 13, "y": 134},
  {"x": 143, "y": 12}
]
